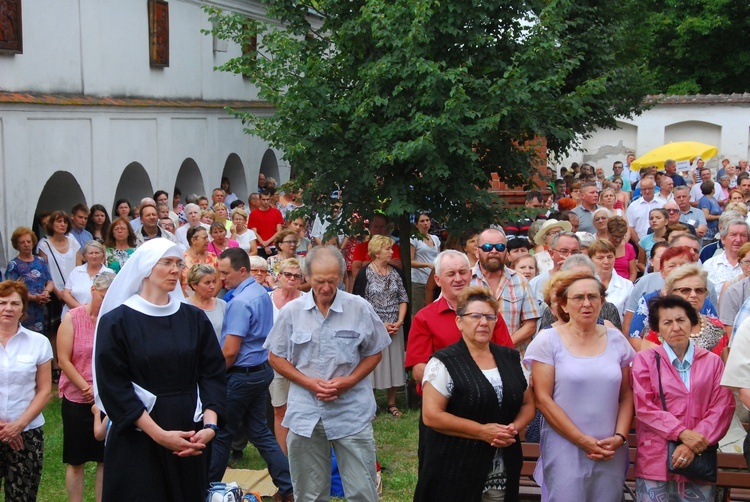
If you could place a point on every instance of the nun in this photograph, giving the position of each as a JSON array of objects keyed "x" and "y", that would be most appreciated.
[{"x": 159, "y": 375}]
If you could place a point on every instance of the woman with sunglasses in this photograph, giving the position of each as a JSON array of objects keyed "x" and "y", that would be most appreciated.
[
  {"x": 381, "y": 285},
  {"x": 691, "y": 283},
  {"x": 286, "y": 246},
  {"x": 290, "y": 277}
]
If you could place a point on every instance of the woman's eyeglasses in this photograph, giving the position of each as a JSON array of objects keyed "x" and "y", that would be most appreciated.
[
  {"x": 476, "y": 316},
  {"x": 289, "y": 275}
]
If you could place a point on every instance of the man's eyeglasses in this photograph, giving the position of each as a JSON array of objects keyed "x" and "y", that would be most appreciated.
[
  {"x": 487, "y": 247},
  {"x": 566, "y": 252}
]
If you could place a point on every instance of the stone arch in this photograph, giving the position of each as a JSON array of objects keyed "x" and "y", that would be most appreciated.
[
  {"x": 235, "y": 171},
  {"x": 134, "y": 185},
  {"x": 61, "y": 192},
  {"x": 190, "y": 179},
  {"x": 269, "y": 166}
]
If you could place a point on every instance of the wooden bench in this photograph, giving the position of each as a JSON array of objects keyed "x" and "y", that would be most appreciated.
[{"x": 733, "y": 474}]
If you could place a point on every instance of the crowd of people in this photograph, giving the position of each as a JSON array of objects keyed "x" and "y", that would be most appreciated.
[{"x": 171, "y": 325}]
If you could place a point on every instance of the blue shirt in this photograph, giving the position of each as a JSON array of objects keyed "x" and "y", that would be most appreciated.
[
  {"x": 82, "y": 236},
  {"x": 328, "y": 347},
  {"x": 683, "y": 367},
  {"x": 250, "y": 316}
]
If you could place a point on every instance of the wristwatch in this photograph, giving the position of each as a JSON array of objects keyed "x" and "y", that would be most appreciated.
[{"x": 213, "y": 427}]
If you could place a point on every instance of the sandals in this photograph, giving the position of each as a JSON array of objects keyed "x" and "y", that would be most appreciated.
[{"x": 393, "y": 410}]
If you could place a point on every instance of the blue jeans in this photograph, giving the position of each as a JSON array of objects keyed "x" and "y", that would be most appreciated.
[{"x": 246, "y": 410}]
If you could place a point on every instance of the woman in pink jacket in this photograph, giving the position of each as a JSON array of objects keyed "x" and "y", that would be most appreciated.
[{"x": 698, "y": 410}]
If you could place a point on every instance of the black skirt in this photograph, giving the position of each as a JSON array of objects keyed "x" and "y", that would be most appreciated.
[{"x": 79, "y": 444}]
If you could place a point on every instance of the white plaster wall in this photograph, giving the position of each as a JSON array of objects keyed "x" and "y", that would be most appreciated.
[
  {"x": 96, "y": 144},
  {"x": 725, "y": 126},
  {"x": 100, "y": 48}
]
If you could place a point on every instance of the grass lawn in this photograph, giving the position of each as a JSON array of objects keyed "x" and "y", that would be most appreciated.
[{"x": 396, "y": 441}]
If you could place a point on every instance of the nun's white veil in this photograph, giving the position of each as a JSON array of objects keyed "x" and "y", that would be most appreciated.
[{"x": 128, "y": 283}]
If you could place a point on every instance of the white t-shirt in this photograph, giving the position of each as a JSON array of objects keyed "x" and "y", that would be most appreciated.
[
  {"x": 18, "y": 366},
  {"x": 246, "y": 239}
]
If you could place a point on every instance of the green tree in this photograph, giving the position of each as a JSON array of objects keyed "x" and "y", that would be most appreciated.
[
  {"x": 697, "y": 46},
  {"x": 411, "y": 104}
]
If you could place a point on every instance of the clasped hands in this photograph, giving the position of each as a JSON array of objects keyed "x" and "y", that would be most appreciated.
[
  {"x": 10, "y": 434},
  {"x": 329, "y": 390},
  {"x": 600, "y": 449},
  {"x": 499, "y": 435}
]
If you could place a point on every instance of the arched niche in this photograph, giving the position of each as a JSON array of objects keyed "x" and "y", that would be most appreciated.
[
  {"x": 134, "y": 185},
  {"x": 60, "y": 192},
  {"x": 693, "y": 130},
  {"x": 269, "y": 166},
  {"x": 235, "y": 171},
  {"x": 190, "y": 179}
]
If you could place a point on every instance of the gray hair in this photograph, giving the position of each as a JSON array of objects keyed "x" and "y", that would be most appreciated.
[
  {"x": 565, "y": 234},
  {"x": 326, "y": 253},
  {"x": 602, "y": 210},
  {"x": 148, "y": 201},
  {"x": 739, "y": 221},
  {"x": 578, "y": 260},
  {"x": 728, "y": 216},
  {"x": 103, "y": 280},
  {"x": 190, "y": 206},
  {"x": 681, "y": 188},
  {"x": 92, "y": 244},
  {"x": 438, "y": 262},
  {"x": 258, "y": 262}
]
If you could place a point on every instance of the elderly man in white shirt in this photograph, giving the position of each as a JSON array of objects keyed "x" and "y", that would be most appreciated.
[
  {"x": 637, "y": 213},
  {"x": 725, "y": 266}
]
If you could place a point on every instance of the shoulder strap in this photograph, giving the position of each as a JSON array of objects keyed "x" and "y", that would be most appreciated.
[
  {"x": 658, "y": 372},
  {"x": 52, "y": 253}
]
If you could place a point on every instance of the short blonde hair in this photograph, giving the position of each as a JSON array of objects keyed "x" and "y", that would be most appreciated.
[
  {"x": 197, "y": 271},
  {"x": 240, "y": 211},
  {"x": 683, "y": 272},
  {"x": 378, "y": 243},
  {"x": 736, "y": 206},
  {"x": 289, "y": 263}
]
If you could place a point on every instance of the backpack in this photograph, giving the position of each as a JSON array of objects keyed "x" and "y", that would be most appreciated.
[{"x": 224, "y": 492}]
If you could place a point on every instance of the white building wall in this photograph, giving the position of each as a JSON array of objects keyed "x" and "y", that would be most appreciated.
[
  {"x": 725, "y": 125},
  {"x": 99, "y": 49}
]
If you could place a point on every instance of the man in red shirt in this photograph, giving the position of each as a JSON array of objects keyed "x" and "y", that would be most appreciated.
[
  {"x": 266, "y": 222},
  {"x": 434, "y": 327},
  {"x": 378, "y": 225}
]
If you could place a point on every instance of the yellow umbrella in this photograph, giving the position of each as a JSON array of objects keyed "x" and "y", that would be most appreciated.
[{"x": 679, "y": 150}]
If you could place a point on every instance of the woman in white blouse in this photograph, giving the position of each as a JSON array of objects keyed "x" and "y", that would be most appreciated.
[
  {"x": 25, "y": 388},
  {"x": 602, "y": 253}
]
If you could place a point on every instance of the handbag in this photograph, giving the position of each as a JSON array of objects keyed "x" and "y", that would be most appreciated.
[{"x": 703, "y": 466}]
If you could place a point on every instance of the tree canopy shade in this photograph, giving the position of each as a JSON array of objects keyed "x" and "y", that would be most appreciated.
[
  {"x": 697, "y": 46},
  {"x": 411, "y": 104}
]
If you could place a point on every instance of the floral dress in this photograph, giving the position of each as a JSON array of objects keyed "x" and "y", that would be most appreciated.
[{"x": 34, "y": 274}]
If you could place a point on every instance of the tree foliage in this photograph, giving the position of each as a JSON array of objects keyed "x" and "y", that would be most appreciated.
[
  {"x": 696, "y": 46},
  {"x": 411, "y": 104}
]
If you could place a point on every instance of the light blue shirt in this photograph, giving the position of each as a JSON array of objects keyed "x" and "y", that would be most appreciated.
[
  {"x": 328, "y": 347},
  {"x": 683, "y": 367},
  {"x": 249, "y": 315},
  {"x": 82, "y": 236}
]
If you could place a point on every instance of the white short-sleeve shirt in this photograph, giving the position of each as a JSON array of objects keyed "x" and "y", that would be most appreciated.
[{"x": 19, "y": 359}]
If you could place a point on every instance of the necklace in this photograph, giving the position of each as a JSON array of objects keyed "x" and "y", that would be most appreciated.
[{"x": 703, "y": 328}]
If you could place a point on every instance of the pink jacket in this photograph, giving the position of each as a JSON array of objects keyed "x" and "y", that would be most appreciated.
[{"x": 707, "y": 408}]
